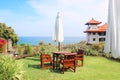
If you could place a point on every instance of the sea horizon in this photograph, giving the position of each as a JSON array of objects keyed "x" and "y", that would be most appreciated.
[{"x": 35, "y": 40}]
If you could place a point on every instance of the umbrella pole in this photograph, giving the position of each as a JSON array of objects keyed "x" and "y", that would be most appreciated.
[{"x": 58, "y": 46}]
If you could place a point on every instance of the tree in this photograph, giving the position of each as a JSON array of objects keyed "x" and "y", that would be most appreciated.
[{"x": 8, "y": 33}]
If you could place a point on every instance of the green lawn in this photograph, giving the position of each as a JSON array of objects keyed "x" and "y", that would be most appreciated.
[{"x": 95, "y": 68}]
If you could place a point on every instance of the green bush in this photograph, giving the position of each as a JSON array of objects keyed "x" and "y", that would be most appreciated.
[
  {"x": 20, "y": 50},
  {"x": 48, "y": 49},
  {"x": 22, "y": 44},
  {"x": 10, "y": 69},
  {"x": 94, "y": 52},
  {"x": 88, "y": 51},
  {"x": 36, "y": 50},
  {"x": 98, "y": 47},
  {"x": 29, "y": 49},
  {"x": 71, "y": 47}
]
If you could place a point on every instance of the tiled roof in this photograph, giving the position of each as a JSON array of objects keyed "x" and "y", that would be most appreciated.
[
  {"x": 99, "y": 29},
  {"x": 93, "y": 21},
  {"x": 103, "y": 27}
]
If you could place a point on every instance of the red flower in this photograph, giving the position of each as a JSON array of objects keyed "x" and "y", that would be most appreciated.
[{"x": 2, "y": 43}]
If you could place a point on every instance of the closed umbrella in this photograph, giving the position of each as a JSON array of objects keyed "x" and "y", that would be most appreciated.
[
  {"x": 58, "y": 34},
  {"x": 112, "y": 43},
  {"x": 107, "y": 48}
]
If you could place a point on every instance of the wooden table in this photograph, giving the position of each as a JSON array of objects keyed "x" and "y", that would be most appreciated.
[{"x": 56, "y": 58}]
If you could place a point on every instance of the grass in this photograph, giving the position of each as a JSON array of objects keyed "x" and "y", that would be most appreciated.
[{"x": 95, "y": 68}]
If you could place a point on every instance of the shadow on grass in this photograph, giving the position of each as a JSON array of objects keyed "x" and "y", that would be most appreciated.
[
  {"x": 36, "y": 66},
  {"x": 55, "y": 71},
  {"x": 33, "y": 59},
  {"x": 59, "y": 71}
]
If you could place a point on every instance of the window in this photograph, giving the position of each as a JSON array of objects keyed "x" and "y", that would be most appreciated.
[
  {"x": 94, "y": 33},
  {"x": 101, "y": 39},
  {"x": 102, "y": 34},
  {"x": 94, "y": 39}
]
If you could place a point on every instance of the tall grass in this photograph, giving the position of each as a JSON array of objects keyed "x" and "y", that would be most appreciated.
[
  {"x": 10, "y": 69},
  {"x": 29, "y": 49},
  {"x": 20, "y": 50}
]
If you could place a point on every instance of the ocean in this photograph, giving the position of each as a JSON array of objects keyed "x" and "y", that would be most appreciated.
[{"x": 37, "y": 40}]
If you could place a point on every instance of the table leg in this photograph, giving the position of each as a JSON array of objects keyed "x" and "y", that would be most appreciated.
[
  {"x": 53, "y": 61},
  {"x": 57, "y": 61}
]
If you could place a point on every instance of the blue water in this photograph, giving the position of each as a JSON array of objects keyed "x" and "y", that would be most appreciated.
[{"x": 36, "y": 40}]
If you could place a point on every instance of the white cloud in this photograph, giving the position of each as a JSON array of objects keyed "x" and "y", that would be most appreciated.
[
  {"x": 72, "y": 2},
  {"x": 42, "y": 8},
  {"x": 74, "y": 13}
]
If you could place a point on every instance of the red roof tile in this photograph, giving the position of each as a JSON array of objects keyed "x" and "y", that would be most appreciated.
[
  {"x": 100, "y": 29},
  {"x": 93, "y": 21},
  {"x": 103, "y": 27}
]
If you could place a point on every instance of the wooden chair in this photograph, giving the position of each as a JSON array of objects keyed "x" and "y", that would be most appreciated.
[
  {"x": 80, "y": 57},
  {"x": 68, "y": 62},
  {"x": 46, "y": 61}
]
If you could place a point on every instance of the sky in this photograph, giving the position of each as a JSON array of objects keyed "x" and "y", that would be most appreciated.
[{"x": 37, "y": 17}]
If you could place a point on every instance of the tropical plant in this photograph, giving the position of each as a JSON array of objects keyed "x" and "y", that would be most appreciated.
[
  {"x": 10, "y": 69},
  {"x": 48, "y": 49},
  {"x": 8, "y": 33},
  {"x": 37, "y": 50},
  {"x": 22, "y": 44},
  {"x": 74, "y": 50},
  {"x": 94, "y": 52},
  {"x": 20, "y": 50},
  {"x": 29, "y": 49},
  {"x": 71, "y": 47},
  {"x": 98, "y": 47},
  {"x": 87, "y": 51}
]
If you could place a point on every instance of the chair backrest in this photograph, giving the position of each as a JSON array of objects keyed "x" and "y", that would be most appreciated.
[
  {"x": 69, "y": 60},
  {"x": 80, "y": 54},
  {"x": 80, "y": 51},
  {"x": 46, "y": 61},
  {"x": 69, "y": 57},
  {"x": 46, "y": 57}
]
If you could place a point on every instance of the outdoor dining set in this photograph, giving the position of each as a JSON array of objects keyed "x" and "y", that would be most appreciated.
[{"x": 62, "y": 60}]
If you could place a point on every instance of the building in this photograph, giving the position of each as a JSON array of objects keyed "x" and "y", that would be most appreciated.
[{"x": 95, "y": 33}]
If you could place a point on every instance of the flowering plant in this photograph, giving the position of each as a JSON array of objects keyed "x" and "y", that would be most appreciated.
[{"x": 2, "y": 43}]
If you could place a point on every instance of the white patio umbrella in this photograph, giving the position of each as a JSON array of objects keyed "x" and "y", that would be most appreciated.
[
  {"x": 107, "y": 48},
  {"x": 112, "y": 43},
  {"x": 58, "y": 34}
]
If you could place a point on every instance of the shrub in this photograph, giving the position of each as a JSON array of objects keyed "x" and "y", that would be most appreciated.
[
  {"x": 29, "y": 49},
  {"x": 98, "y": 47},
  {"x": 22, "y": 44},
  {"x": 94, "y": 53},
  {"x": 36, "y": 50},
  {"x": 71, "y": 47},
  {"x": 74, "y": 50},
  {"x": 10, "y": 69},
  {"x": 41, "y": 43},
  {"x": 87, "y": 51},
  {"x": 20, "y": 50},
  {"x": 48, "y": 49}
]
